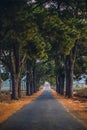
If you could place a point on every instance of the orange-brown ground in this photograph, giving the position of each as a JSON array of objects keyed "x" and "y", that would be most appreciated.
[
  {"x": 8, "y": 108},
  {"x": 76, "y": 106}
]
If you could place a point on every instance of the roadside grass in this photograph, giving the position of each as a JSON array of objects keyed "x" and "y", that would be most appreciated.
[
  {"x": 77, "y": 91},
  {"x": 82, "y": 92},
  {"x": 76, "y": 106},
  {"x": 8, "y": 107}
]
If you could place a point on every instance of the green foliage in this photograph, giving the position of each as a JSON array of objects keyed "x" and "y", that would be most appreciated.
[
  {"x": 45, "y": 71},
  {"x": 81, "y": 60},
  {"x": 34, "y": 44},
  {"x": 60, "y": 35},
  {"x": 81, "y": 66},
  {"x": 11, "y": 25},
  {"x": 43, "y": 33}
]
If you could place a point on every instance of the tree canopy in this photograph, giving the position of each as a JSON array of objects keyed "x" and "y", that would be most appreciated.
[{"x": 44, "y": 36}]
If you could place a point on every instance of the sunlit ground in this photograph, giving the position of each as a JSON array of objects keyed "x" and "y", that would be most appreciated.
[
  {"x": 10, "y": 107},
  {"x": 77, "y": 106}
]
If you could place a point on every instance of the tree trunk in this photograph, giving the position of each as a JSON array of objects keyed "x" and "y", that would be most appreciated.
[
  {"x": 67, "y": 74},
  {"x": 37, "y": 83},
  {"x": 60, "y": 73},
  {"x": 17, "y": 68},
  {"x": 62, "y": 84},
  {"x": 34, "y": 78},
  {"x": 19, "y": 89},
  {"x": 0, "y": 73},
  {"x": 27, "y": 79},
  {"x": 16, "y": 88},
  {"x": 57, "y": 76},
  {"x": 57, "y": 83},
  {"x": 69, "y": 65},
  {"x": 31, "y": 82},
  {"x": 69, "y": 77},
  {"x": 28, "y": 84},
  {"x": 14, "y": 75},
  {"x": 15, "y": 85},
  {"x": 30, "y": 78},
  {"x": 70, "y": 93},
  {"x": 0, "y": 83}
]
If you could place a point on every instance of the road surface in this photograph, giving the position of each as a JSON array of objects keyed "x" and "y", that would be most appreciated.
[{"x": 44, "y": 113}]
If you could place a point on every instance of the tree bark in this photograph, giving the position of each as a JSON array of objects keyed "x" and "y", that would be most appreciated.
[
  {"x": 15, "y": 85},
  {"x": 31, "y": 81},
  {"x": 27, "y": 79},
  {"x": 34, "y": 78},
  {"x": 57, "y": 76},
  {"x": 57, "y": 83},
  {"x": 60, "y": 74},
  {"x": 0, "y": 83},
  {"x": 69, "y": 65},
  {"x": 69, "y": 77},
  {"x": 62, "y": 84},
  {"x": 19, "y": 89},
  {"x": 67, "y": 74},
  {"x": 14, "y": 75},
  {"x": 0, "y": 73}
]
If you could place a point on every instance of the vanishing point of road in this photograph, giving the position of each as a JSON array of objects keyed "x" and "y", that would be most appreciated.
[{"x": 44, "y": 113}]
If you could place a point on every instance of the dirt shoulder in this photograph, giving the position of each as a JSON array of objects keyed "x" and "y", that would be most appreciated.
[
  {"x": 76, "y": 106},
  {"x": 9, "y": 108}
]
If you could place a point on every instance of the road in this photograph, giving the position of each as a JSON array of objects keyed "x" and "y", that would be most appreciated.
[{"x": 44, "y": 113}]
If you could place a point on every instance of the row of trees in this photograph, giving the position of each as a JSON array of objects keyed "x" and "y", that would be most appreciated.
[
  {"x": 65, "y": 27},
  {"x": 40, "y": 39},
  {"x": 21, "y": 44}
]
